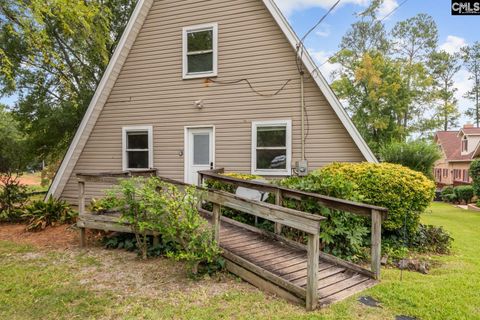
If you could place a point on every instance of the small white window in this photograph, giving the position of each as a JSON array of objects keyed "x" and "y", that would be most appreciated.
[
  {"x": 200, "y": 51},
  {"x": 137, "y": 145},
  {"x": 271, "y": 147}
]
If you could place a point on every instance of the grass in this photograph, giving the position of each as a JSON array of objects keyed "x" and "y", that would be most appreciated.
[{"x": 53, "y": 285}]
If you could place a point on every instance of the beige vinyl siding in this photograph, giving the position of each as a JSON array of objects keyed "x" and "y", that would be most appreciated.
[{"x": 150, "y": 90}]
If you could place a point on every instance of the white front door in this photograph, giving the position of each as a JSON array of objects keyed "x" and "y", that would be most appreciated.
[{"x": 199, "y": 152}]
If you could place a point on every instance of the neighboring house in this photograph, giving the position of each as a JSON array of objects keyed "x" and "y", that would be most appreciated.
[
  {"x": 459, "y": 149},
  {"x": 195, "y": 85}
]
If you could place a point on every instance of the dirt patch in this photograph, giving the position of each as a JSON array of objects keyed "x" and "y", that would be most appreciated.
[
  {"x": 61, "y": 237},
  {"x": 30, "y": 180}
]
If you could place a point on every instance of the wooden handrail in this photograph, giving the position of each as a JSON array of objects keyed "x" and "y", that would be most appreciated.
[
  {"x": 375, "y": 213},
  {"x": 327, "y": 201}
]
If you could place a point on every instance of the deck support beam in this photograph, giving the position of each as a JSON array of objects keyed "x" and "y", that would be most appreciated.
[
  {"x": 376, "y": 242},
  {"x": 278, "y": 202},
  {"x": 312, "y": 271},
  {"x": 216, "y": 222}
]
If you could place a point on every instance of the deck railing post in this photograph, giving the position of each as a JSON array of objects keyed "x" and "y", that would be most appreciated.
[
  {"x": 312, "y": 271},
  {"x": 81, "y": 197},
  {"x": 216, "y": 221},
  {"x": 81, "y": 211},
  {"x": 376, "y": 242},
  {"x": 200, "y": 179},
  {"x": 278, "y": 202}
]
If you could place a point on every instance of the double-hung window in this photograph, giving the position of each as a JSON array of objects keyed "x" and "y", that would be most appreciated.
[
  {"x": 200, "y": 45},
  {"x": 271, "y": 147},
  {"x": 137, "y": 148}
]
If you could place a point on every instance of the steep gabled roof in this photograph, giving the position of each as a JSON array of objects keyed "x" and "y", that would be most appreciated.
[
  {"x": 118, "y": 59},
  {"x": 451, "y": 144}
]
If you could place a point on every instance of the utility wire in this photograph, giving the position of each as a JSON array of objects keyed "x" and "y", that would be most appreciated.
[
  {"x": 300, "y": 45},
  {"x": 250, "y": 85}
]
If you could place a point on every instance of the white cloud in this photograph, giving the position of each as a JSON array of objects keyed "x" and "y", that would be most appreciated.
[
  {"x": 453, "y": 44},
  {"x": 327, "y": 69},
  {"x": 289, "y": 6},
  {"x": 387, "y": 8},
  {"x": 323, "y": 31}
]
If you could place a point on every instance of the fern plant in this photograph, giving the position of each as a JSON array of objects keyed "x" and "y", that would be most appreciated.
[{"x": 41, "y": 214}]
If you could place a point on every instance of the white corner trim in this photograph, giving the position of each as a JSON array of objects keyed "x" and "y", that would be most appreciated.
[
  {"x": 288, "y": 143},
  {"x": 103, "y": 88},
  {"x": 321, "y": 82},
  {"x": 201, "y": 27},
  {"x": 149, "y": 131}
]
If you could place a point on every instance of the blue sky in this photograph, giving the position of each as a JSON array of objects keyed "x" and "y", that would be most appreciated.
[{"x": 454, "y": 31}]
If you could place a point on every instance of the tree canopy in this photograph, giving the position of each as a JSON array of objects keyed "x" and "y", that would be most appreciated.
[{"x": 53, "y": 54}]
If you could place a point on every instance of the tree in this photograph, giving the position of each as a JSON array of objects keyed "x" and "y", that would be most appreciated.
[
  {"x": 413, "y": 40},
  {"x": 471, "y": 59},
  {"x": 443, "y": 67},
  {"x": 375, "y": 91},
  {"x": 53, "y": 55},
  {"x": 364, "y": 36},
  {"x": 13, "y": 157}
]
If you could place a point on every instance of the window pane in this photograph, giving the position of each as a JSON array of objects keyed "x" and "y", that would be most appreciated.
[
  {"x": 272, "y": 136},
  {"x": 201, "y": 149},
  {"x": 271, "y": 159},
  {"x": 200, "y": 40},
  {"x": 137, "y": 140},
  {"x": 137, "y": 159},
  {"x": 200, "y": 62}
]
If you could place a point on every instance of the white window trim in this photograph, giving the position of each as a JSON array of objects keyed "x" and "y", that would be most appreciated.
[
  {"x": 202, "y": 27},
  {"x": 272, "y": 172},
  {"x": 125, "y": 130}
]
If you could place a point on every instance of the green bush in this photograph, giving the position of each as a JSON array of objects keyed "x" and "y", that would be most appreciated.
[
  {"x": 341, "y": 234},
  {"x": 416, "y": 155},
  {"x": 448, "y": 195},
  {"x": 404, "y": 192},
  {"x": 474, "y": 172},
  {"x": 464, "y": 193},
  {"x": 13, "y": 197},
  {"x": 41, "y": 214},
  {"x": 153, "y": 205},
  {"x": 231, "y": 188},
  {"x": 431, "y": 239}
]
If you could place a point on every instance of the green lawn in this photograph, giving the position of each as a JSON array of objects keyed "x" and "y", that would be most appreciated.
[{"x": 100, "y": 284}]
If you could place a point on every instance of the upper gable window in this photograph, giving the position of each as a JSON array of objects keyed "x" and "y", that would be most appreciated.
[
  {"x": 200, "y": 51},
  {"x": 465, "y": 144}
]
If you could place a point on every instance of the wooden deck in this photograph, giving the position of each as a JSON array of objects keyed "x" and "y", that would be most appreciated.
[
  {"x": 271, "y": 259},
  {"x": 298, "y": 273}
]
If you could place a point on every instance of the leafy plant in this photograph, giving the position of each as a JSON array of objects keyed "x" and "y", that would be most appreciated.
[
  {"x": 153, "y": 205},
  {"x": 474, "y": 172},
  {"x": 41, "y": 214},
  {"x": 416, "y": 155},
  {"x": 104, "y": 205},
  {"x": 431, "y": 238},
  {"x": 13, "y": 197},
  {"x": 343, "y": 234},
  {"x": 448, "y": 195},
  {"x": 464, "y": 193}
]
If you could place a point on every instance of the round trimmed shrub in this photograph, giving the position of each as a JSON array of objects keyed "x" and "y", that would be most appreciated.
[
  {"x": 404, "y": 192},
  {"x": 464, "y": 193}
]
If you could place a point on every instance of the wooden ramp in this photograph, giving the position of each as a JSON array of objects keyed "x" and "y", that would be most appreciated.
[
  {"x": 299, "y": 273},
  {"x": 281, "y": 268}
]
